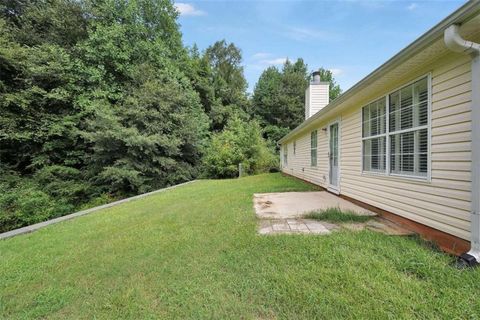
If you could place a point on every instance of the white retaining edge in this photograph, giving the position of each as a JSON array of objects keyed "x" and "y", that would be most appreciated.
[{"x": 34, "y": 227}]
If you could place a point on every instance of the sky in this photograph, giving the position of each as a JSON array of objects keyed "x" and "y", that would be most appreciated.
[{"x": 349, "y": 37}]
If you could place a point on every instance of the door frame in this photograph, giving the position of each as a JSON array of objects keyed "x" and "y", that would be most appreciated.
[{"x": 333, "y": 188}]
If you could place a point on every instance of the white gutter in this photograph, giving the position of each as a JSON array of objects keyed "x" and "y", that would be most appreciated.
[{"x": 456, "y": 43}]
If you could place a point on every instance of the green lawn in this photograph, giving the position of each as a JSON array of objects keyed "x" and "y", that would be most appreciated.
[
  {"x": 335, "y": 215},
  {"x": 193, "y": 252}
]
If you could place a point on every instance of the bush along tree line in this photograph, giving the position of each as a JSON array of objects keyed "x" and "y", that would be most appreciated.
[{"x": 100, "y": 99}]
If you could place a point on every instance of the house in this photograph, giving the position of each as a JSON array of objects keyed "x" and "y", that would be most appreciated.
[{"x": 405, "y": 140}]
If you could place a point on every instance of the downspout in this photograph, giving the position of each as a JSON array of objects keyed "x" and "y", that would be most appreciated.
[{"x": 456, "y": 43}]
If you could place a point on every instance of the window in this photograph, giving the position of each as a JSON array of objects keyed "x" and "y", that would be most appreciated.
[
  {"x": 285, "y": 155},
  {"x": 408, "y": 128},
  {"x": 294, "y": 147},
  {"x": 313, "y": 148},
  {"x": 404, "y": 139},
  {"x": 374, "y": 136}
]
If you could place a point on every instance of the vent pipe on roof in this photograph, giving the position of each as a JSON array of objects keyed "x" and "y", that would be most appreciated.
[
  {"x": 316, "y": 95},
  {"x": 456, "y": 43}
]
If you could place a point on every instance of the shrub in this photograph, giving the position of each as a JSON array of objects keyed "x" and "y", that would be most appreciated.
[
  {"x": 102, "y": 199},
  {"x": 240, "y": 142},
  {"x": 52, "y": 192},
  {"x": 26, "y": 204},
  {"x": 63, "y": 183}
]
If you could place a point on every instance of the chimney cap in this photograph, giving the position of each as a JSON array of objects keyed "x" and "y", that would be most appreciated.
[{"x": 315, "y": 78}]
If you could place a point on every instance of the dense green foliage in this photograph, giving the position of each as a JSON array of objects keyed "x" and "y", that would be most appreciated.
[
  {"x": 100, "y": 99},
  {"x": 194, "y": 253},
  {"x": 239, "y": 143},
  {"x": 279, "y": 97}
]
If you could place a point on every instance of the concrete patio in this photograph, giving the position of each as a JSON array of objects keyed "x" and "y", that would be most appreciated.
[
  {"x": 285, "y": 205},
  {"x": 282, "y": 213}
]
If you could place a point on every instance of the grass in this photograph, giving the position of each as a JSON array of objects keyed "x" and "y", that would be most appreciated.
[
  {"x": 336, "y": 215},
  {"x": 193, "y": 252}
]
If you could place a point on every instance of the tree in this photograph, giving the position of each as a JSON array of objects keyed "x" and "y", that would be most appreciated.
[
  {"x": 201, "y": 75},
  {"x": 295, "y": 80},
  {"x": 60, "y": 22},
  {"x": 279, "y": 97},
  {"x": 41, "y": 155},
  {"x": 228, "y": 82},
  {"x": 148, "y": 20},
  {"x": 225, "y": 60},
  {"x": 267, "y": 95},
  {"x": 94, "y": 100},
  {"x": 147, "y": 125},
  {"x": 152, "y": 139},
  {"x": 38, "y": 85},
  {"x": 37, "y": 111}
]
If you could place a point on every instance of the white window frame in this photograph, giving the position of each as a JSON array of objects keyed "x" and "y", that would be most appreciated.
[
  {"x": 295, "y": 147},
  {"x": 389, "y": 134},
  {"x": 385, "y": 135},
  {"x": 285, "y": 155}
]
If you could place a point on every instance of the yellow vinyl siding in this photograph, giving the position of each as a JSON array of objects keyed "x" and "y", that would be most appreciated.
[
  {"x": 453, "y": 110},
  {"x": 443, "y": 202}
]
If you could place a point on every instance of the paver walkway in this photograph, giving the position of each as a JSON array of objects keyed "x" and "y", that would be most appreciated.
[{"x": 291, "y": 226}]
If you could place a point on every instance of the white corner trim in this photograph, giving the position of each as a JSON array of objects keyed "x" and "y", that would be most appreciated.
[{"x": 456, "y": 43}]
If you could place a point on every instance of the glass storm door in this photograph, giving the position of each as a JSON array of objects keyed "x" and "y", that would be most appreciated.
[{"x": 333, "y": 156}]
